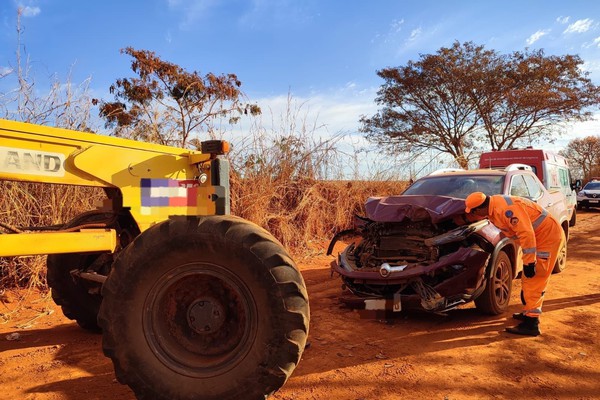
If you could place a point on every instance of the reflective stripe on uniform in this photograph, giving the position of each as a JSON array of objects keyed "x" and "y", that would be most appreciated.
[
  {"x": 543, "y": 254},
  {"x": 539, "y": 219},
  {"x": 529, "y": 250},
  {"x": 536, "y": 312},
  {"x": 507, "y": 199}
]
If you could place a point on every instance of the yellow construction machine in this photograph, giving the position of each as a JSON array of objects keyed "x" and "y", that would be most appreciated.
[{"x": 192, "y": 303}]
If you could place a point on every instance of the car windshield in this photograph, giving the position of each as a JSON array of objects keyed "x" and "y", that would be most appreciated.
[
  {"x": 459, "y": 186},
  {"x": 592, "y": 186}
]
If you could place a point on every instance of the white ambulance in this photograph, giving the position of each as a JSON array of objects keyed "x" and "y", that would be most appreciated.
[{"x": 551, "y": 168}]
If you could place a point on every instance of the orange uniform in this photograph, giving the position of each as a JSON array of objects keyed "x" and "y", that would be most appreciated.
[{"x": 541, "y": 238}]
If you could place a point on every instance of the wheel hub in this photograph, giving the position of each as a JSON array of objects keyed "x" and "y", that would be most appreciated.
[
  {"x": 205, "y": 315},
  {"x": 200, "y": 319}
]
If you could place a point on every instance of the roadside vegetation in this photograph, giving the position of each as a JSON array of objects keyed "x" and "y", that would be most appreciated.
[
  {"x": 584, "y": 157},
  {"x": 289, "y": 178},
  {"x": 466, "y": 99}
]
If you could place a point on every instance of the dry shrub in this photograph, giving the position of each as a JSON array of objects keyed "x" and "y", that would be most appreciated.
[
  {"x": 303, "y": 214},
  {"x": 54, "y": 103},
  {"x": 282, "y": 180},
  {"x": 24, "y": 205}
]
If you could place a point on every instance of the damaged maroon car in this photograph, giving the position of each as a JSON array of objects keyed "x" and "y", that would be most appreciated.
[{"x": 418, "y": 252}]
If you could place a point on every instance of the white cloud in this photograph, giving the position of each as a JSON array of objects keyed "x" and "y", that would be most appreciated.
[
  {"x": 414, "y": 35},
  {"x": 576, "y": 130},
  {"x": 537, "y": 36},
  {"x": 396, "y": 25},
  {"x": 562, "y": 20},
  {"x": 597, "y": 41},
  {"x": 580, "y": 26},
  {"x": 28, "y": 11},
  {"x": 192, "y": 10},
  {"x": 337, "y": 111},
  {"x": 591, "y": 66},
  {"x": 392, "y": 34}
]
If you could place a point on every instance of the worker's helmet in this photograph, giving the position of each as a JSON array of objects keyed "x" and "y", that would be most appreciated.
[{"x": 474, "y": 200}]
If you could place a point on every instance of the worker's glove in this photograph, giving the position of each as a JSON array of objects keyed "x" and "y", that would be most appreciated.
[{"x": 529, "y": 270}]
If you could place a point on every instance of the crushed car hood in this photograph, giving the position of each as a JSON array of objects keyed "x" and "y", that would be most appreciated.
[{"x": 414, "y": 208}]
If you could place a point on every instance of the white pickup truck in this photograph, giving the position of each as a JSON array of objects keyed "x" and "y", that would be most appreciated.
[{"x": 551, "y": 168}]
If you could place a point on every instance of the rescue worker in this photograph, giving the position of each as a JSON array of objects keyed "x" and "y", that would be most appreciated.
[{"x": 541, "y": 238}]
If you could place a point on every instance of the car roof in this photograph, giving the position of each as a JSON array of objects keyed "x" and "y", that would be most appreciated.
[{"x": 467, "y": 172}]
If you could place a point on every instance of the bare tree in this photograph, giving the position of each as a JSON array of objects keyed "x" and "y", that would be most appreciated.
[
  {"x": 584, "y": 156},
  {"x": 54, "y": 103},
  {"x": 62, "y": 104}
]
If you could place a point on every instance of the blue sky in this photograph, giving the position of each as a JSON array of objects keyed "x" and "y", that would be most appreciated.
[{"x": 324, "y": 53}]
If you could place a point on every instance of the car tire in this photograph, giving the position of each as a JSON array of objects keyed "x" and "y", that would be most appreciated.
[
  {"x": 495, "y": 298},
  {"x": 561, "y": 260},
  {"x": 204, "y": 307},
  {"x": 573, "y": 219}
]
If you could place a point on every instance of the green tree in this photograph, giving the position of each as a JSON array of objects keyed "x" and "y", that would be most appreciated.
[
  {"x": 584, "y": 156},
  {"x": 465, "y": 98},
  {"x": 168, "y": 105}
]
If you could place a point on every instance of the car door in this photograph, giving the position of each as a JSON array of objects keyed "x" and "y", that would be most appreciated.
[
  {"x": 518, "y": 187},
  {"x": 525, "y": 185},
  {"x": 541, "y": 196}
]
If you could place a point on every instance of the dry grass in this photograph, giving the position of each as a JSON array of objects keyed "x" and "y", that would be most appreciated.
[
  {"x": 300, "y": 213},
  {"x": 277, "y": 181},
  {"x": 25, "y": 205}
]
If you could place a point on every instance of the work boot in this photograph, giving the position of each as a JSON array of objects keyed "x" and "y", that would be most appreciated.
[
  {"x": 529, "y": 327},
  {"x": 519, "y": 316}
]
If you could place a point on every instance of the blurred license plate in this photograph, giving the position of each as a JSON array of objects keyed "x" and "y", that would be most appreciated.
[{"x": 384, "y": 304}]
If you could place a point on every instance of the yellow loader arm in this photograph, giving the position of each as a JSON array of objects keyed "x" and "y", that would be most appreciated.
[{"x": 151, "y": 182}]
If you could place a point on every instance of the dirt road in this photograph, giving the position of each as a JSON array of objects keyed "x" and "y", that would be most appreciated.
[{"x": 463, "y": 355}]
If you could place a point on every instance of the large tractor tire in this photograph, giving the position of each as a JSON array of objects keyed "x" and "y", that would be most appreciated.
[
  {"x": 80, "y": 300},
  {"x": 204, "y": 308},
  {"x": 496, "y": 296}
]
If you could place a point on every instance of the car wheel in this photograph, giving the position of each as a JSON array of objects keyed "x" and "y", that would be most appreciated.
[
  {"x": 561, "y": 261},
  {"x": 573, "y": 219},
  {"x": 495, "y": 298}
]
